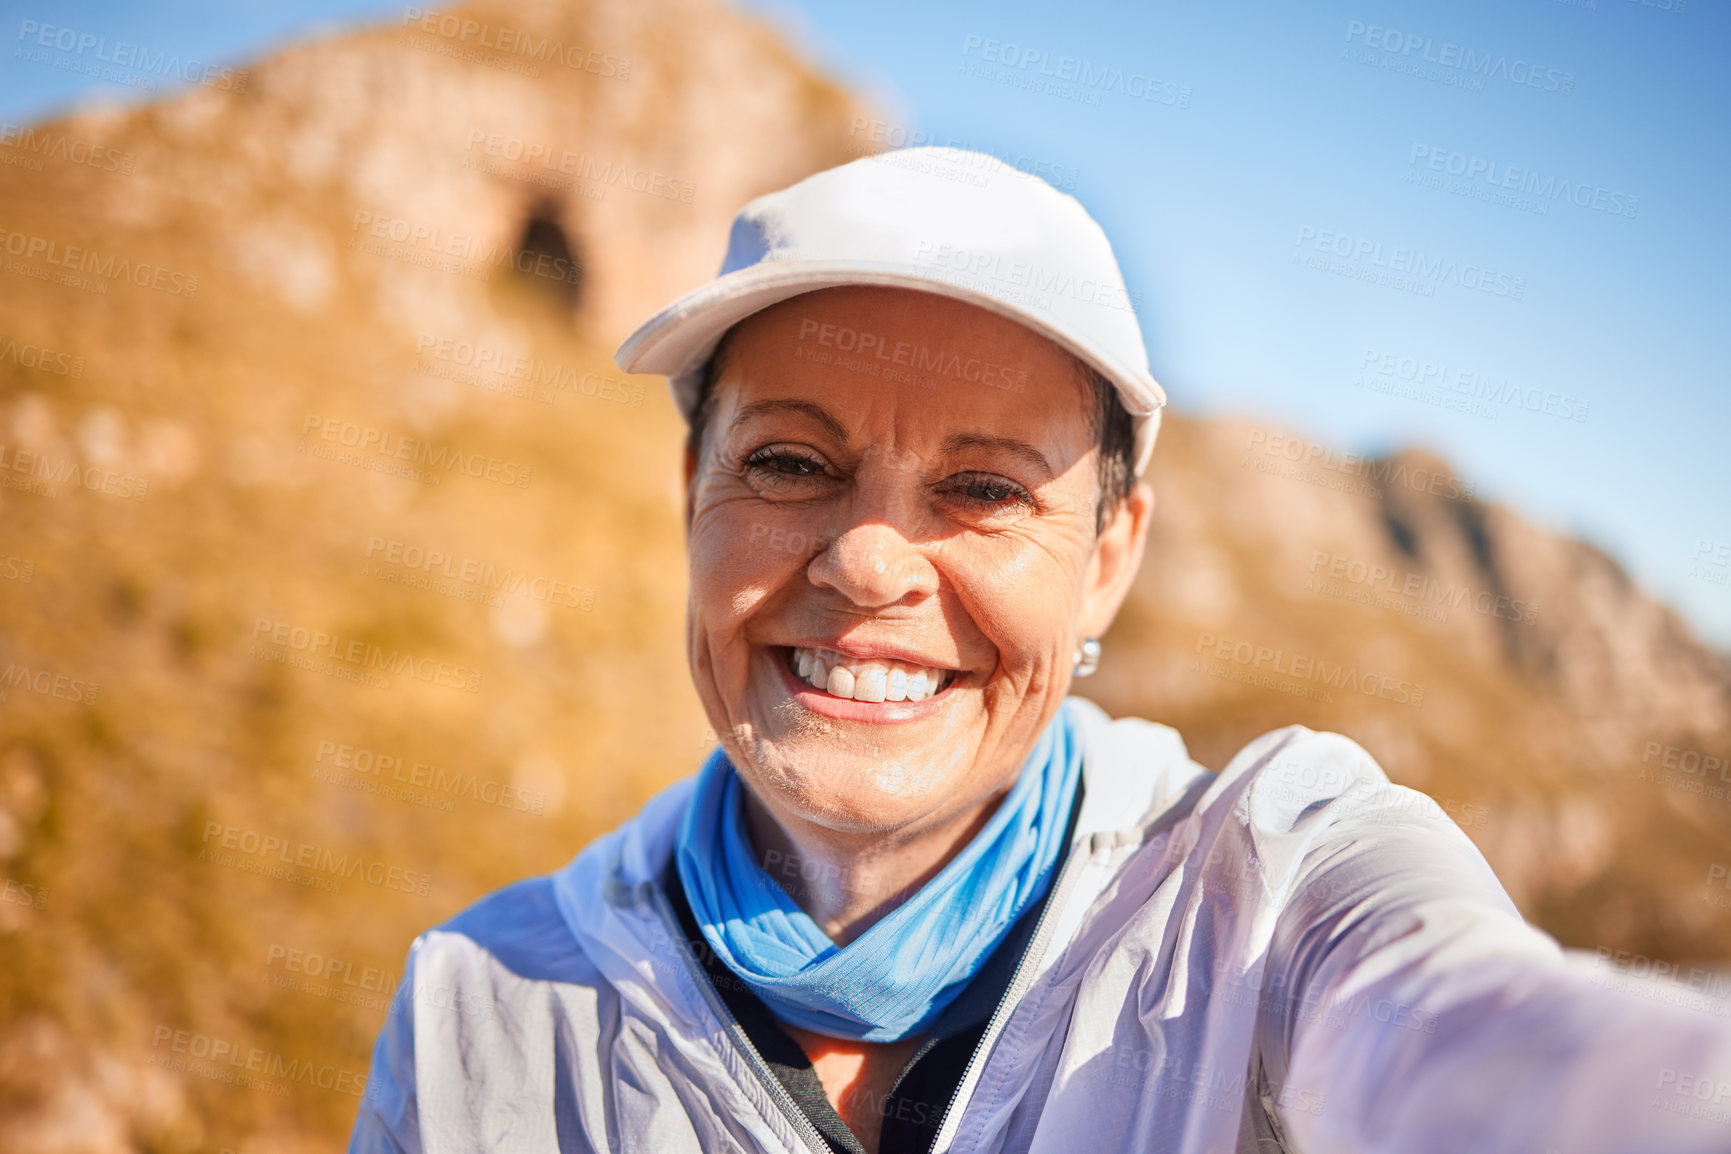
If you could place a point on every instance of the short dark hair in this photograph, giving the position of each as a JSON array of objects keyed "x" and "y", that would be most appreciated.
[{"x": 1109, "y": 422}]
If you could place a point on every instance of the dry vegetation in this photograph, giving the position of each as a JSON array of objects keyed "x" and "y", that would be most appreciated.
[{"x": 108, "y": 806}]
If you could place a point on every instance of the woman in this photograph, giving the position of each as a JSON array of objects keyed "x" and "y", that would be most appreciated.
[{"x": 921, "y": 899}]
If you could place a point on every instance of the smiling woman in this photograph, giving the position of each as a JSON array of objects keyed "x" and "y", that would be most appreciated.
[
  {"x": 882, "y": 688},
  {"x": 921, "y": 898},
  {"x": 959, "y": 564}
]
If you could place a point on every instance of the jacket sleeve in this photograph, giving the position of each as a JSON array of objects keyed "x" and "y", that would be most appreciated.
[
  {"x": 1418, "y": 1012},
  {"x": 388, "y": 1121}
]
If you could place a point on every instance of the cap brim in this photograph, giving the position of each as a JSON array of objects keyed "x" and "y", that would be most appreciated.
[{"x": 676, "y": 341}]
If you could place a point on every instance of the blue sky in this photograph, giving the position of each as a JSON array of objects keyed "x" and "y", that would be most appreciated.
[{"x": 1513, "y": 208}]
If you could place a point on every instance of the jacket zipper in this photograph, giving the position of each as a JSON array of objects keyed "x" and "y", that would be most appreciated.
[
  {"x": 777, "y": 1091},
  {"x": 1019, "y": 984}
]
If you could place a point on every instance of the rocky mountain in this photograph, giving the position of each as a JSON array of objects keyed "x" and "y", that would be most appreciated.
[
  {"x": 341, "y": 575},
  {"x": 1571, "y": 724}
]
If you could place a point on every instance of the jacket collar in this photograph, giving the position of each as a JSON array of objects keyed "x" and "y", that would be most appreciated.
[{"x": 1134, "y": 771}]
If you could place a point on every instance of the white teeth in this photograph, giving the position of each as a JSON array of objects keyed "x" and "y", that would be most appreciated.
[
  {"x": 867, "y": 680},
  {"x": 896, "y": 688},
  {"x": 917, "y": 686},
  {"x": 872, "y": 683}
]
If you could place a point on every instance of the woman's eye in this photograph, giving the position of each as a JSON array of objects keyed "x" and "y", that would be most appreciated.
[
  {"x": 987, "y": 492},
  {"x": 784, "y": 464}
]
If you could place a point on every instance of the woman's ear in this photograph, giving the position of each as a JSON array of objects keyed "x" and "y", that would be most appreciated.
[{"x": 1116, "y": 559}]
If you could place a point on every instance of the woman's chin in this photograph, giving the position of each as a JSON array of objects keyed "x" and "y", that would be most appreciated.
[
  {"x": 845, "y": 791},
  {"x": 856, "y": 766}
]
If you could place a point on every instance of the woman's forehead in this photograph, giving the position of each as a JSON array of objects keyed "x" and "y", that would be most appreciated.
[
  {"x": 888, "y": 316},
  {"x": 878, "y": 355}
]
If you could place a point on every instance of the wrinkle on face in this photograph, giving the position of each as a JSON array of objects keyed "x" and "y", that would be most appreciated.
[{"x": 889, "y": 555}]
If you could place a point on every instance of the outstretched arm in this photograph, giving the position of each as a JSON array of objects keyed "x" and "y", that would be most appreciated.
[{"x": 1423, "y": 1014}]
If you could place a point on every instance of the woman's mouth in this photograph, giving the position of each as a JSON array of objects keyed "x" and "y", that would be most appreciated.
[{"x": 867, "y": 679}]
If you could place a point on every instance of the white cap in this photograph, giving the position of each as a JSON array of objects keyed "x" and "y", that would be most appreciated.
[{"x": 940, "y": 220}]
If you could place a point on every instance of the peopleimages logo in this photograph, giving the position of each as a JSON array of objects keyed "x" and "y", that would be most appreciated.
[
  {"x": 1412, "y": 49},
  {"x": 363, "y": 654},
  {"x": 917, "y": 359},
  {"x": 1471, "y": 383},
  {"x": 1390, "y": 472},
  {"x": 438, "y": 241},
  {"x": 42, "y": 359},
  {"x": 869, "y": 137},
  {"x": 1264, "y": 659},
  {"x": 1685, "y": 770},
  {"x": 249, "y": 1059},
  {"x": 91, "y": 50},
  {"x": 391, "y": 447},
  {"x": 470, "y": 571},
  {"x": 539, "y": 378},
  {"x": 45, "y": 683},
  {"x": 1370, "y": 255},
  {"x": 326, "y": 868},
  {"x": 108, "y": 267},
  {"x": 1417, "y": 586},
  {"x": 517, "y": 42},
  {"x": 971, "y": 267},
  {"x": 42, "y": 474},
  {"x": 580, "y": 166},
  {"x": 364, "y": 769},
  {"x": 27, "y": 147},
  {"x": 1479, "y": 170},
  {"x": 1069, "y": 76}
]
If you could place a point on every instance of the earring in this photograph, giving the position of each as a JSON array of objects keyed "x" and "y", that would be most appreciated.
[{"x": 1088, "y": 657}]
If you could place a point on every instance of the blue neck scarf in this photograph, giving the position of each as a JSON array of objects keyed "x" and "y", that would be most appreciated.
[{"x": 894, "y": 980}]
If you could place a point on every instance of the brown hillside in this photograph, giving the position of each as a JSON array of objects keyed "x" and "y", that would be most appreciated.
[
  {"x": 265, "y": 737},
  {"x": 1515, "y": 675},
  {"x": 547, "y": 482}
]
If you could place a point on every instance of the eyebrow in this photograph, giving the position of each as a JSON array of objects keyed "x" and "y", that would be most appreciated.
[
  {"x": 809, "y": 408},
  {"x": 956, "y": 442}
]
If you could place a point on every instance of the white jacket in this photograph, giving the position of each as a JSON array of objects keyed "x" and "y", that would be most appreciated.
[{"x": 1294, "y": 954}]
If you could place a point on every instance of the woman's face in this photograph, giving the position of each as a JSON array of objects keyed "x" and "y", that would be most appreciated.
[{"x": 847, "y": 512}]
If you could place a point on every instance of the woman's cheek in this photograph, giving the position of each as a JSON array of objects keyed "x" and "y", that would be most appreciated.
[
  {"x": 1023, "y": 602},
  {"x": 737, "y": 562},
  {"x": 778, "y": 540}
]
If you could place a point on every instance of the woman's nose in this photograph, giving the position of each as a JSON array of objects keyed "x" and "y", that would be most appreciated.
[{"x": 874, "y": 566}]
